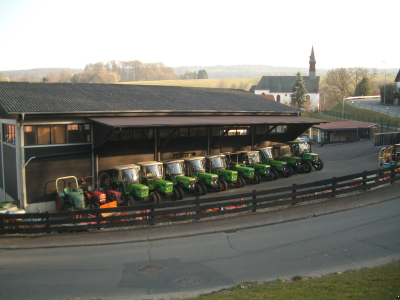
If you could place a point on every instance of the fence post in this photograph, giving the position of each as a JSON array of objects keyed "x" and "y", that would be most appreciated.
[
  {"x": 294, "y": 190},
  {"x": 197, "y": 207},
  {"x": 364, "y": 177},
  {"x": 392, "y": 175},
  {"x": 1, "y": 225},
  {"x": 254, "y": 201},
  {"x": 98, "y": 221},
  {"x": 47, "y": 222},
  {"x": 333, "y": 187},
  {"x": 151, "y": 220}
]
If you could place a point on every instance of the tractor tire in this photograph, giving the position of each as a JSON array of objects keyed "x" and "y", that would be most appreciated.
[
  {"x": 254, "y": 180},
  {"x": 181, "y": 194},
  {"x": 291, "y": 171},
  {"x": 154, "y": 198},
  {"x": 197, "y": 189},
  {"x": 307, "y": 167},
  {"x": 243, "y": 181},
  {"x": 270, "y": 176},
  {"x": 91, "y": 206},
  {"x": 204, "y": 187},
  {"x": 96, "y": 205},
  {"x": 218, "y": 188},
  {"x": 130, "y": 201},
  {"x": 259, "y": 178},
  {"x": 224, "y": 185},
  {"x": 158, "y": 197},
  {"x": 320, "y": 165},
  {"x": 276, "y": 174},
  {"x": 60, "y": 203},
  {"x": 238, "y": 183},
  {"x": 174, "y": 195},
  {"x": 300, "y": 169}
]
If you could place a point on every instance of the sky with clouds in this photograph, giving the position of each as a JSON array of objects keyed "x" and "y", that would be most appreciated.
[{"x": 61, "y": 34}]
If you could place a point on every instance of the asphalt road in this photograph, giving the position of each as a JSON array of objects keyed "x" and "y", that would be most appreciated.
[
  {"x": 147, "y": 269},
  {"x": 375, "y": 104}
]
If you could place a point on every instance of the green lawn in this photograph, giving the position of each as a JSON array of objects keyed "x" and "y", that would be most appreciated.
[{"x": 378, "y": 283}]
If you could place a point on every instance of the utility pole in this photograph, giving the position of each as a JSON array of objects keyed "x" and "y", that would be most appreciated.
[{"x": 384, "y": 91}]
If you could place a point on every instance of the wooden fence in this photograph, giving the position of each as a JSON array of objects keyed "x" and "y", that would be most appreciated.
[
  {"x": 149, "y": 214},
  {"x": 385, "y": 139}
]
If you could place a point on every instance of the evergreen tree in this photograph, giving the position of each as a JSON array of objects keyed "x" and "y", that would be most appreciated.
[
  {"x": 363, "y": 88},
  {"x": 298, "y": 98}
]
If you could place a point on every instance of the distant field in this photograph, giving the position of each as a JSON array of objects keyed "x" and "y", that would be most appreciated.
[{"x": 233, "y": 83}]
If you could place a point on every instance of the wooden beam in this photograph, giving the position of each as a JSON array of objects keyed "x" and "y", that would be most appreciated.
[
  {"x": 222, "y": 135},
  {"x": 167, "y": 139},
  {"x": 265, "y": 134}
]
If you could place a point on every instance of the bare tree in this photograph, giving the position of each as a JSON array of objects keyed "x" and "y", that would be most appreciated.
[
  {"x": 341, "y": 79},
  {"x": 358, "y": 73}
]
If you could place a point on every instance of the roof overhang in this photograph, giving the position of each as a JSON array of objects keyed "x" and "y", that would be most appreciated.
[{"x": 122, "y": 122}]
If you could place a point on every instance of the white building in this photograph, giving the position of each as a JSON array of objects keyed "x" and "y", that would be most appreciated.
[{"x": 281, "y": 87}]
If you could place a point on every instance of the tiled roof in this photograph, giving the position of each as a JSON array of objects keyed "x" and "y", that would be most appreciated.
[
  {"x": 23, "y": 97},
  {"x": 397, "y": 79},
  {"x": 284, "y": 84}
]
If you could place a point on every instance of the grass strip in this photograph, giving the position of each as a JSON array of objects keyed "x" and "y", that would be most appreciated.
[{"x": 377, "y": 283}]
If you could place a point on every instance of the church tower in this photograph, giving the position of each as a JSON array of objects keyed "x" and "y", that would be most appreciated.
[{"x": 311, "y": 72}]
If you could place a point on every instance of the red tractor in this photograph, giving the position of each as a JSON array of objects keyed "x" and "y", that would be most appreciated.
[{"x": 93, "y": 199}]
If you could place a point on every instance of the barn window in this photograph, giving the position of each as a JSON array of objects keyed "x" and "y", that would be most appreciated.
[{"x": 278, "y": 98}]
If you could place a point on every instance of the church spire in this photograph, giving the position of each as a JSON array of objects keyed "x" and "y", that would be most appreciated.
[{"x": 312, "y": 64}]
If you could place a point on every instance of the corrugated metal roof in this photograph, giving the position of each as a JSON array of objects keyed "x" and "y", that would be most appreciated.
[
  {"x": 343, "y": 125},
  {"x": 200, "y": 120}
]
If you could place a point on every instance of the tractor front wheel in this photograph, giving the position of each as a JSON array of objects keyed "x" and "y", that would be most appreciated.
[
  {"x": 130, "y": 201},
  {"x": 175, "y": 195},
  {"x": 197, "y": 189},
  {"x": 238, "y": 183},
  {"x": 219, "y": 187},
  {"x": 154, "y": 198},
  {"x": 96, "y": 205},
  {"x": 307, "y": 166},
  {"x": 259, "y": 178},
  {"x": 300, "y": 169},
  {"x": 181, "y": 194},
  {"x": 224, "y": 185},
  {"x": 204, "y": 188},
  {"x": 60, "y": 203},
  {"x": 243, "y": 181},
  {"x": 158, "y": 197},
  {"x": 319, "y": 165}
]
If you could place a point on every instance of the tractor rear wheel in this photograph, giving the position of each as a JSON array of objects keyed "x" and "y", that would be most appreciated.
[
  {"x": 318, "y": 166},
  {"x": 175, "y": 195},
  {"x": 181, "y": 194},
  {"x": 60, "y": 203},
  {"x": 197, "y": 189}
]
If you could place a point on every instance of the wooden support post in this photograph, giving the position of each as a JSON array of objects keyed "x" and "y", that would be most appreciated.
[
  {"x": 333, "y": 193},
  {"x": 47, "y": 222},
  {"x": 197, "y": 207},
  {"x": 364, "y": 180}
]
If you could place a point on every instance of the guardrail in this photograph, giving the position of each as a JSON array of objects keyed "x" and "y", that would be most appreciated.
[{"x": 150, "y": 214}]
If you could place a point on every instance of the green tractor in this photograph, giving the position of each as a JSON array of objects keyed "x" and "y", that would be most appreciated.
[
  {"x": 174, "y": 170},
  {"x": 216, "y": 164},
  {"x": 252, "y": 159},
  {"x": 151, "y": 175},
  {"x": 125, "y": 179},
  {"x": 277, "y": 166},
  {"x": 195, "y": 167},
  {"x": 284, "y": 153},
  {"x": 70, "y": 198},
  {"x": 243, "y": 172},
  {"x": 303, "y": 150}
]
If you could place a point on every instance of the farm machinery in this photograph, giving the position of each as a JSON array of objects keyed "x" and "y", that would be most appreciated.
[
  {"x": 152, "y": 175},
  {"x": 303, "y": 149},
  {"x": 126, "y": 181},
  {"x": 389, "y": 156},
  {"x": 195, "y": 167},
  {"x": 174, "y": 170},
  {"x": 277, "y": 166},
  {"x": 252, "y": 159},
  {"x": 69, "y": 198},
  {"x": 216, "y": 164},
  {"x": 243, "y": 172},
  {"x": 93, "y": 199},
  {"x": 284, "y": 153}
]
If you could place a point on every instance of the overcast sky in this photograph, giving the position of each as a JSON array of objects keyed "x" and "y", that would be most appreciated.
[{"x": 58, "y": 34}]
